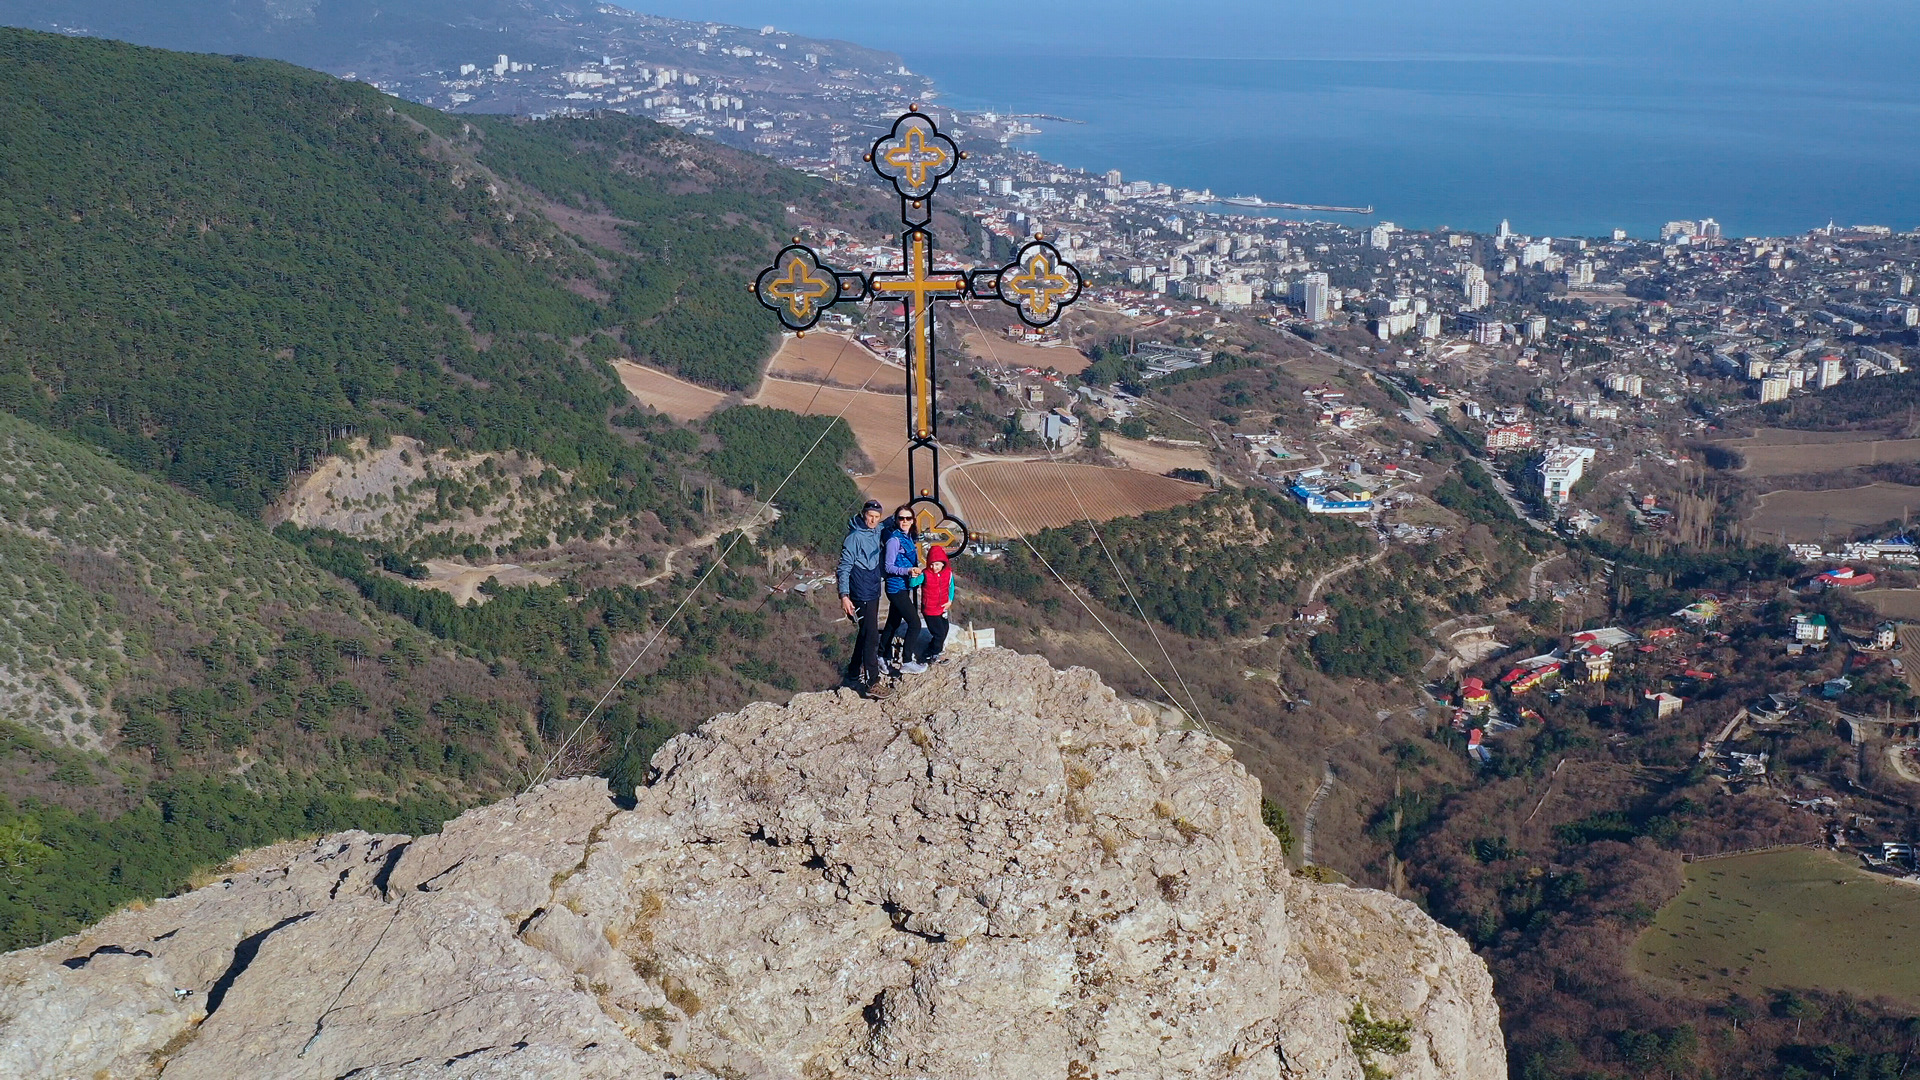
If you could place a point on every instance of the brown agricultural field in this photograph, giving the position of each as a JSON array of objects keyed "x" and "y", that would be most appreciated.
[
  {"x": 1893, "y": 603},
  {"x": 995, "y": 350},
  {"x": 836, "y": 360},
  {"x": 1782, "y": 452},
  {"x": 1009, "y": 498},
  {"x": 677, "y": 398},
  {"x": 1803, "y": 516},
  {"x": 1156, "y": 457}
]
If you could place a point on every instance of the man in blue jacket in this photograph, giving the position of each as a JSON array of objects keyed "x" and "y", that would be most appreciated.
[{"x": 859, "y": 579}]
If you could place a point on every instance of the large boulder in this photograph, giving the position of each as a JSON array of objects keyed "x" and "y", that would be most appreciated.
[{"x": 1002, "y": 871}]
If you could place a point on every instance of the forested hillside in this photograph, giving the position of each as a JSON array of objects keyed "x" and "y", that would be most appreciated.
[
  {"x": 156, "y": 651},
  {"x": 219, "y": 267},
  {"x": 222, "y": 270}
]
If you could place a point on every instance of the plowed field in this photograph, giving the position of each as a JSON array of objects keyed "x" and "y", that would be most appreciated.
[
  {"x": 837, "y": 361},
  {"x": 1000, "y": 499},
  {"x": 1832, "y": 514}
]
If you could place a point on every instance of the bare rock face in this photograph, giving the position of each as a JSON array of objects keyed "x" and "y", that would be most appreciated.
[{"x": 1003, "y": 871}]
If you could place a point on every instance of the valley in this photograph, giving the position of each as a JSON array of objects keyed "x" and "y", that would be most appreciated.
[{"x": 493, "y": 479}]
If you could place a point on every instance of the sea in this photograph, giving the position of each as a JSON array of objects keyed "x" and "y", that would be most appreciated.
[{"x": 1572, "y": 119}]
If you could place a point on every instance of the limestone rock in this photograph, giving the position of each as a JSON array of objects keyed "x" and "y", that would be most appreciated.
[{"x": 1002, "y": 871}]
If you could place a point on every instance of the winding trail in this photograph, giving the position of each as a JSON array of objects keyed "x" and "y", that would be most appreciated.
[
  {"x": 1314, "y": 589},
  {"x": 1313, "y": 811},
  {"x": 749, "y": 522}
]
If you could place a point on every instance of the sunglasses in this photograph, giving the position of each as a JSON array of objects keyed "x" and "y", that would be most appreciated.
[{"x": 904, "y": 517}]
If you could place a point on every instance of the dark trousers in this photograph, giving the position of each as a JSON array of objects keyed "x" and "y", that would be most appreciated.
[
  {"x": 903, "y": 617},
  {"x": 864, "y": 668},
  {"x": 936, "y": 639}
]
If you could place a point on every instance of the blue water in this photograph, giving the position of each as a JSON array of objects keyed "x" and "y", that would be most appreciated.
[
  {"x": 1560, "y": 148},
  {"x": 1567, "y": 118}
]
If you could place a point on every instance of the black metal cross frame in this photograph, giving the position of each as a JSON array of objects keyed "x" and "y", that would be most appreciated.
[{"x": 1038, "y": 284}]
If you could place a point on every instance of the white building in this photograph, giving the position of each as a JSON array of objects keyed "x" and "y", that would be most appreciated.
[
  {"x": 1833, "y": 370},
  {"x": 1630, "y": 385},
  {"x": 1536, "y": 252},
  {"x": 1774, "y": 388},
  {"x": 1561, "y": 469},
  {"x": 1535, "y": 327},
  {"x": 1311, "y": 296}
]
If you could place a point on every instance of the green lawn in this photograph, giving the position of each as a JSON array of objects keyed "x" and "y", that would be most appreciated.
[{"x": 1799, "y": 919}]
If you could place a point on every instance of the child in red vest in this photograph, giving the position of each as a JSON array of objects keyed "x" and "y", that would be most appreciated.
[{"x": 936, "y": 595}]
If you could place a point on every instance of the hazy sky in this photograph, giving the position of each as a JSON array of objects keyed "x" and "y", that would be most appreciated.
[{"x": 1841, "y": 36}]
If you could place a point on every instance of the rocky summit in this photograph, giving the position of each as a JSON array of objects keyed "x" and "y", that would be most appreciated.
[{"x": 1003, "y": 870}]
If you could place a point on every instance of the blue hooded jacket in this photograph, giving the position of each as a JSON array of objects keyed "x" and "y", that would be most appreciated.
[
  {"x": 859, "y": 571},
  {"x": 902, "y": 561}
]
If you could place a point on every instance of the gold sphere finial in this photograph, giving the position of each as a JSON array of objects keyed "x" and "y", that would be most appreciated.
[{"x": 914, "y": 107}]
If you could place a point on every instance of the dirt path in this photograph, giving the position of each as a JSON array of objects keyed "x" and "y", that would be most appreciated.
[
  {"x": 1313, "y": 811},
  {"x": 1314, "y": 589},
  {"x": 748, "y": 522}
]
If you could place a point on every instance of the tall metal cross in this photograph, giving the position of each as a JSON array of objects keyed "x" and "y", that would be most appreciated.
[{"x": 1038, "y": 284}]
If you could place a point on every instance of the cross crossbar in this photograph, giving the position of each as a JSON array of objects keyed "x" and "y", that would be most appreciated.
[{"x": 1038, "y": 284}]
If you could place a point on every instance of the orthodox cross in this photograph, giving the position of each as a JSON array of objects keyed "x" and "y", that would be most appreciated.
[{"x": 1038, "y": 284}]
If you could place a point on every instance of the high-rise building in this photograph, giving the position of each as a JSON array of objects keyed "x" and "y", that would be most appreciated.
[
  {"x": 1380, "y": 237},
  {"x": 1113, "y": 178},
  {"x": 1535, "y": 327},
  {"x": 1484, "y": 329},
  {"x": 1774, "y": 388},
  {"x": 1619, "y": 235},
  {"x": 1506, "y": 230},
  {"x": 1832, "y": 370},
  {"x": 1536, "y": 252},
  {"x": 1478, "y": 295},
  {"x": 1709, "y": 229},
  {"x": 1311, "y": 296},
  {"x": 1561, "y": 469}
]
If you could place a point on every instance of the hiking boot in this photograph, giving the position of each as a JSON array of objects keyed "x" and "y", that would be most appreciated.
[{"x": 878, "y": 689}]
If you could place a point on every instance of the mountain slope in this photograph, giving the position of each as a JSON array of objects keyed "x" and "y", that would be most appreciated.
[
  {"x": 219, "y": 268},
  {"x": 158, "y": 654}
]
